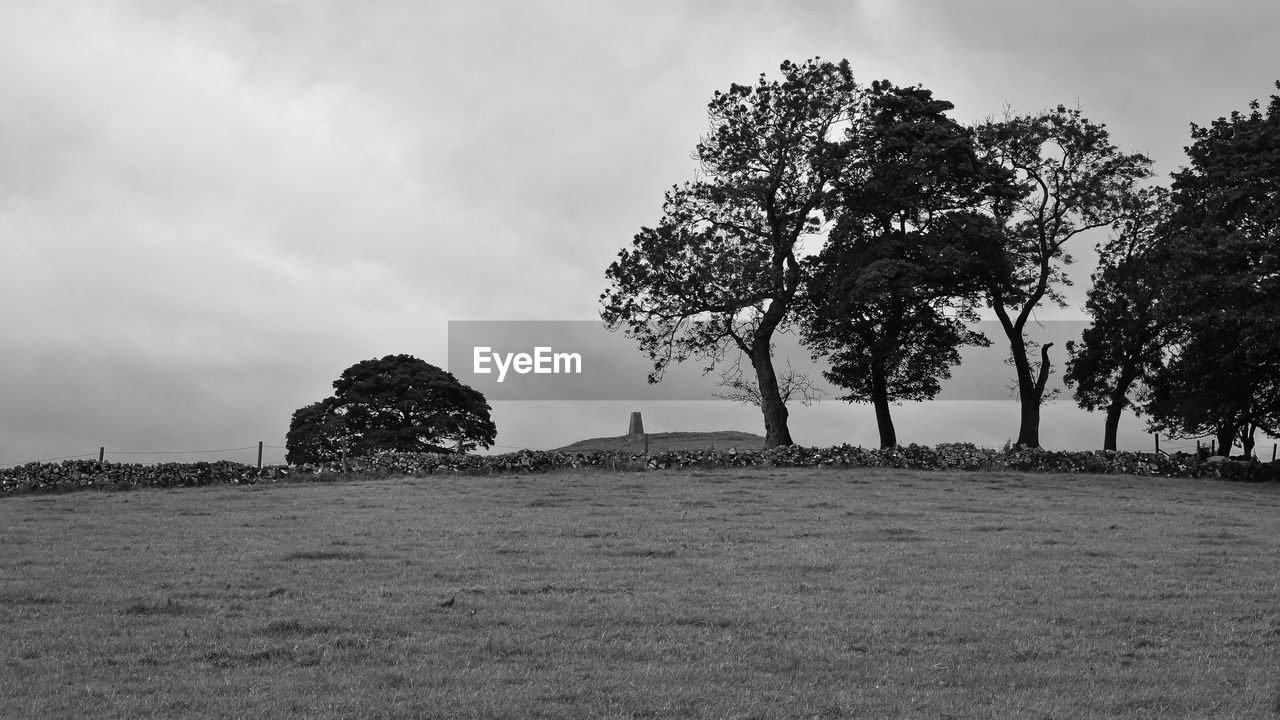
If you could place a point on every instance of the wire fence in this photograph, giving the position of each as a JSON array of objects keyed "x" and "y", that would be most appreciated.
[{"x": 105, "y": 454}]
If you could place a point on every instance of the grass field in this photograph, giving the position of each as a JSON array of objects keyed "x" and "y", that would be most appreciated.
[{"x": 725, "y": 594}]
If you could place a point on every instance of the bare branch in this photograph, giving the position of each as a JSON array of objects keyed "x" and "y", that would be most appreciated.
[{"x": 791, "y": 384}]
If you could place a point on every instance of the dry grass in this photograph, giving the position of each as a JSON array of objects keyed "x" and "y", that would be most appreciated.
[{"x": 805, "y": 594}]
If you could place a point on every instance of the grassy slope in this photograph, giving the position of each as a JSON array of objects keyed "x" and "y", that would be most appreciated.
[
  {"x": 796, "y": 593},
  {"x": 660, "y": 442}
]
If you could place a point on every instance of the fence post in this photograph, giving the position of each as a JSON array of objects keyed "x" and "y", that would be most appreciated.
[
  {"x": 1213, "y": 446},
  {"x": 1157, "y": 436},
  {"x": 102, "y": 453},
  {"x": 1273, "y": 451},
  {"x": 259, "y": 456}
]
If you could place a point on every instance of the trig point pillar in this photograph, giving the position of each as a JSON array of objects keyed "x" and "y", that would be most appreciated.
[{"x": 636, "y": 427}]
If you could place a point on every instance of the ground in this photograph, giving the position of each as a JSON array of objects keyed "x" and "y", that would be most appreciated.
[{"x": 722, "y": 594}]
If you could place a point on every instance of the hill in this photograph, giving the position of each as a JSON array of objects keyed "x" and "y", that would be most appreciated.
[{"x": 660, "y": 442}]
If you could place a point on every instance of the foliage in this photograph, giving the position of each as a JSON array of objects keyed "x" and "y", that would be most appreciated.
[
  {"x": 318, "y": 432},
  {"x": 395, "y": 403},
  {"x": 719, "y": 271},
  {"x": 1069, "y": 178},
  {"x": 884, "y": 301}
]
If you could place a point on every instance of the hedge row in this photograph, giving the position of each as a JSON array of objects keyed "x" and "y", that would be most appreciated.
[{"x": 75, "y": 474}]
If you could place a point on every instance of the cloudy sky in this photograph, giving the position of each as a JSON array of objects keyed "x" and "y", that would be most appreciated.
[{"x": 209, "y": 209}]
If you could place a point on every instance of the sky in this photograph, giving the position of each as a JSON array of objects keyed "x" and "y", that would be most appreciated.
[{"x": 208, "y": 210}]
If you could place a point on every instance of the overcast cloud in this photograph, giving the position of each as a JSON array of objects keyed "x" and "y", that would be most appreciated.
[{"x": 209, "y": 210}]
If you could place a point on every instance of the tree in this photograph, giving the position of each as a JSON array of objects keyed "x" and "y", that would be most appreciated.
[
  {"x": 1124, "y": 345},
  {"x": 1223, "y": 282},
  {"x": 396, "y": 403},
  {"x": 720, "y": 270},
  {"x": 885, "y": 328},
  {"x": 1071, "y": 179},
  {"x": 884, "y": 300}
]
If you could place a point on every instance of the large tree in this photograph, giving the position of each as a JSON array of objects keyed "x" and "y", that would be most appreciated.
[
  {"x": 1072, "y": 179},
  {"x": 1124, "y": 345},
  {"x": 720, "y": 270},
  {"x": 1223, "y": 282},
  {"x": 887, "y": 300},
  {"x": 397, "y": 403}
]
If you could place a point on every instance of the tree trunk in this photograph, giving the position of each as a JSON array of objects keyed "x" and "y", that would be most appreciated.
[
  {"x": 771, "y": 404},
  {"x": 1030, "y": 390},
  {"x": 1246, "y": 441},
  {"x": 1119, "y": 401},
  {"x": 1112, "y": 425},
  {"x": 1226, "y": 436},
  {"x": 1029, "y": 420},
  {"x": 880, "y": 398}
]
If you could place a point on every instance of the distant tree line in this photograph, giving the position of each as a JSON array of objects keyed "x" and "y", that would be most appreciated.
[{"x": 924, "y": 222}]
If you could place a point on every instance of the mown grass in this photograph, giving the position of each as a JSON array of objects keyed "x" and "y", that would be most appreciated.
[{"x": 721, "y": 594}]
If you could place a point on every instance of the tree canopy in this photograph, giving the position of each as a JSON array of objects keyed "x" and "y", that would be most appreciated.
[
  {"x": 1069, "y": 178},
  {"x": 720, "y": 270},
  {"x": 395, "y": 403},
  {"x": 1222, "y": 283},
  {"x": 884, "y": 301}
]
